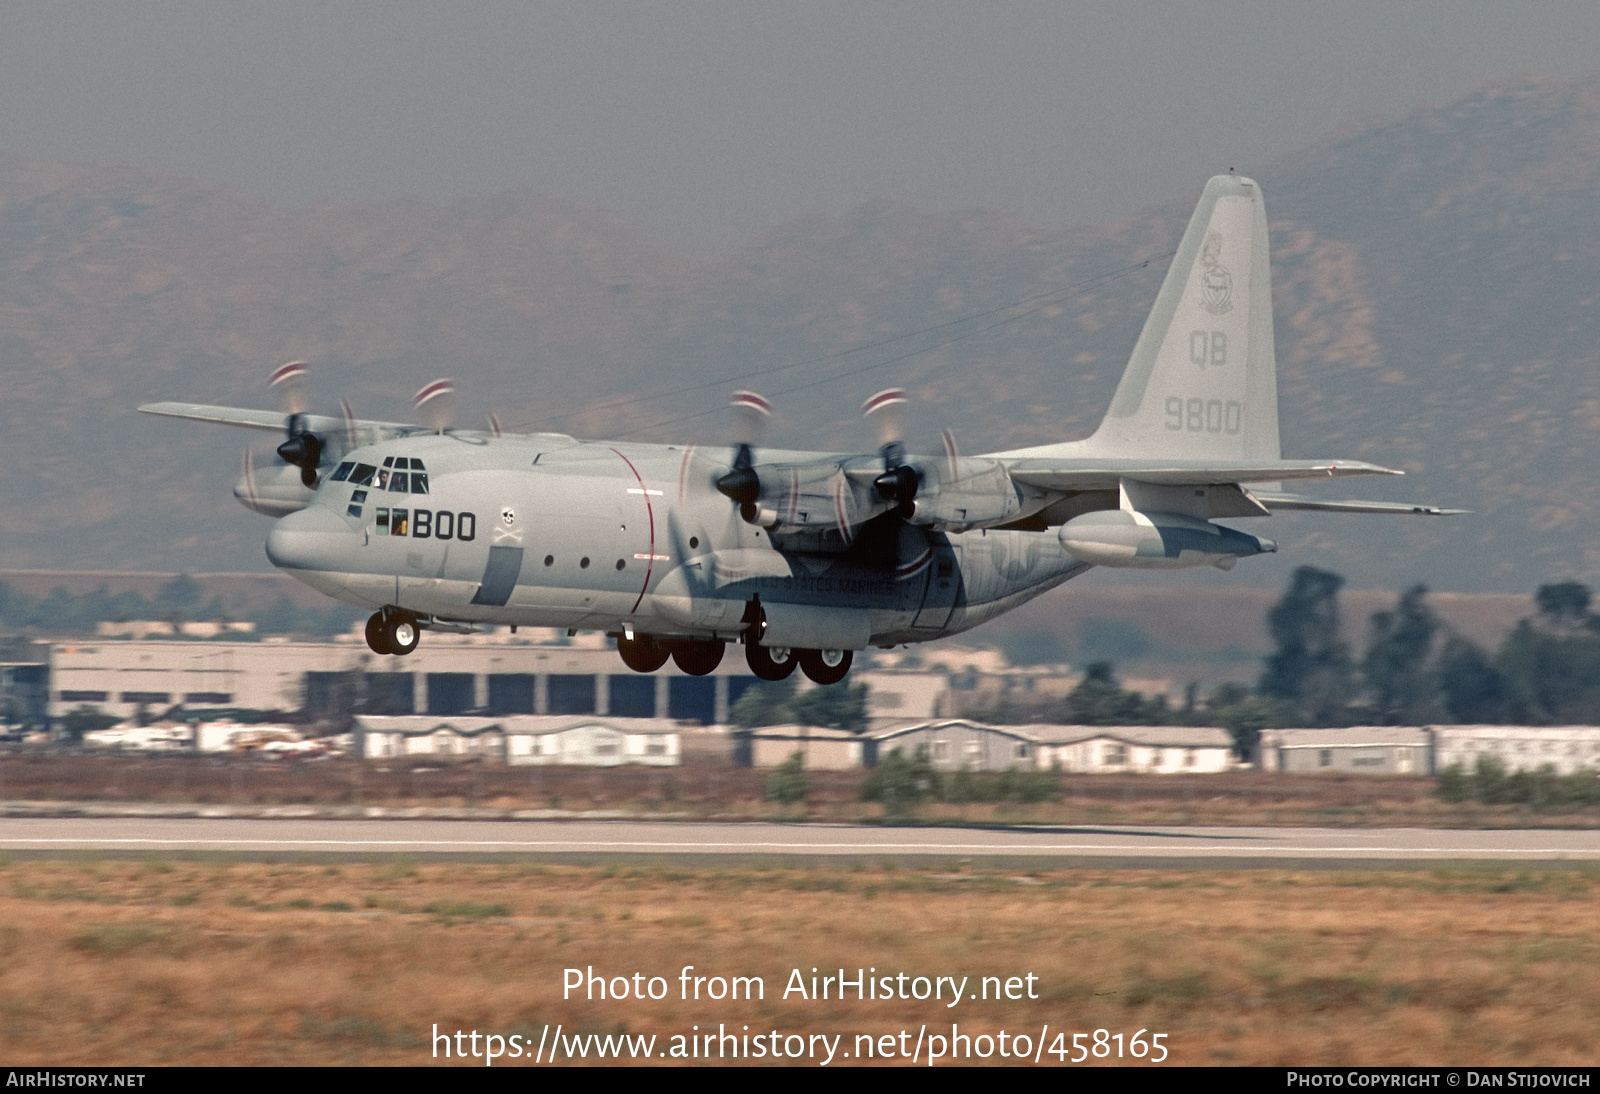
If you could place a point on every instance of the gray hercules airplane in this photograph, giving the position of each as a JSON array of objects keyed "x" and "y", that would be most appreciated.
[{"x": 803, "y": 557}]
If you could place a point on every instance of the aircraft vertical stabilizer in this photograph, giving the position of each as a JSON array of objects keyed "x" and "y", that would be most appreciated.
[{"x": 1202, "y": 382}]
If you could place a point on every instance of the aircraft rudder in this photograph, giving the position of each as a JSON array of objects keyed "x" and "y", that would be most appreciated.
[{"x": 1202, "y": 378}]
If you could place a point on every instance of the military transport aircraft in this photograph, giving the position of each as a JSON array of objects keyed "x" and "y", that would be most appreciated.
[{"x": 803, "y": 557}]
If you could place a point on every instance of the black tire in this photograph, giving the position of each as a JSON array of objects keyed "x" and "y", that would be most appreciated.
[
  {"x": 770, "y": 662},
  {"x": 698, "y": 658},
  {"x": 377, "y": 640},
  {"x": 642, "y": 653},
  {"x": 402, "y": 632},
  {"x": 814, "y": 663}
]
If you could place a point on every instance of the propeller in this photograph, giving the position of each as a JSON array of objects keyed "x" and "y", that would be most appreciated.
[
  {"x": 252, "y": 498},
  {"x": 303, "y": 449},
  {"x": 899, "y": 481},
  {"x": 741, "y": 484},
  {"x": 437, "y": 403}
]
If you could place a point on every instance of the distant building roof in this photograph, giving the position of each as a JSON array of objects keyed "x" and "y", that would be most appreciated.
[
  {"x": 947, "y": 723},
  {"x": 1156, "y": 736},
  {"x": 534, "y": 724},
  {"x": 798, "y": 733},
  {"x": 1346, "y": 737}
]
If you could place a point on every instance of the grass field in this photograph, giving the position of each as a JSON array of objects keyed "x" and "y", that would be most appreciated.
[
  {"x": 167, "y": 961},
  {"x": 707, "y": 790}
]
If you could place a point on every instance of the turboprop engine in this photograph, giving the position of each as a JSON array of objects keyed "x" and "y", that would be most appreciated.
[{"x": 1156, "y": 541}]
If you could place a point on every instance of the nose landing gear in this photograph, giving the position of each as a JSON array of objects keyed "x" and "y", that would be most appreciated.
[{"x": 393, "y": 630}]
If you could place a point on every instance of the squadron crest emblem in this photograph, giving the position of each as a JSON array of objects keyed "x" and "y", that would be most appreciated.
[{"x": 1216, "y": 282}]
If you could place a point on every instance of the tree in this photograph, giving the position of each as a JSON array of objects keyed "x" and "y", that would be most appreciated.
[
  {"x": 787, "y": 783},
  {"x": 1100, "y": 701},
  {"x": 762, "y": 705},
  {"x": 1404, "y": 688},
  {"x": 1473, "y": 689},
  {"x": 85, "y": 719},
  {"x": 900, "y": 783},
  {"x": 1563, "y": 605},
  {"x": 835, "y": 706},
  {"x": 1244, "y": 715},
  {"x": 1555, "y": 675},
  {"x": 1311, "y": 670}
]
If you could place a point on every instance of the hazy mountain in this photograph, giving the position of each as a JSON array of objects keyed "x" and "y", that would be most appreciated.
[{"x": 1435, "y": 282}]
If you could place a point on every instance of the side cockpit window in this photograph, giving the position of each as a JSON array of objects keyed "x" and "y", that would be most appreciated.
[
  {"x": 362, "y": 475},
  {"x": 343, "y": 472}
]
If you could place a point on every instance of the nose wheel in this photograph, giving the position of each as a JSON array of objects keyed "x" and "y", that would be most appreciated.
[{"x": 393, "y": 631}]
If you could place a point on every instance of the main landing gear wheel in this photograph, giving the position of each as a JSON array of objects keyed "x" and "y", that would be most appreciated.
[
  {"x": 698, "y": 658},
  {"x": 642, "y": 653},
  {"x": 770, "y": 662},
  {"x": 825, "y": 666}
]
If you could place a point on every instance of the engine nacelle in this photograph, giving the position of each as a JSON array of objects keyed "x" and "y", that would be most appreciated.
[
  {"x": 1156, "y": 541},
  {"x": 976, "y": 493}
]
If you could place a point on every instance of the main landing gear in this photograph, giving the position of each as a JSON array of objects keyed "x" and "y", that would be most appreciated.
[
  {"x": 701, "y": 656},
  {"x": 393, "y": 631},
  {"x": 778, "y": 662}
]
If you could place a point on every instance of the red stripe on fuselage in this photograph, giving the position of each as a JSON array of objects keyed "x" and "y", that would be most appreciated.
[{"x": 651, "y": 512}]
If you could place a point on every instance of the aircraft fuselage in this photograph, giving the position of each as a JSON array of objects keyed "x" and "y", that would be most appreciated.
[{"x": 542, "y": 530}]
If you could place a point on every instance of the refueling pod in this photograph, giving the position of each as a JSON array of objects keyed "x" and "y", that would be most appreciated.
[{"x": 1156, "y": 541}]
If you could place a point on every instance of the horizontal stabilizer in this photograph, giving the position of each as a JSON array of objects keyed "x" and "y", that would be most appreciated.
[
  {"x": 1106, "y": 474},
  {"x": 1298, "y": 501}
]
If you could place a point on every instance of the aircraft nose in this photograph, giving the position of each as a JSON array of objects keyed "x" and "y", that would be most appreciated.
[{"x": 312, "y": 539}]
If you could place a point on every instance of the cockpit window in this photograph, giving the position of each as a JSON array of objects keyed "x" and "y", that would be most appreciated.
[
  {"x": 343, "y": 472},
  {"x": 419, "y": 480},
  {"x": 388, "y": 461},
  {"x": 362, "y": 475},
  {"x": 398, "y": 482}
]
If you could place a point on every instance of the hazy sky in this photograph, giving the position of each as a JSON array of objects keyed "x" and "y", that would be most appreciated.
[{"x": 705, "y": 124}]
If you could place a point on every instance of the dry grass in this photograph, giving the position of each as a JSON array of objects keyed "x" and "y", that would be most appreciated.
[
  {"x": 220, "y": 962},
  {"x": 701, "y": 789}
]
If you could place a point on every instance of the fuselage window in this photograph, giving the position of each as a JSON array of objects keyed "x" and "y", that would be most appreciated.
[
  {"x": 398, "y": 524},
  {"x": 343, "y": 472},
  {"x": 383, "y": 521},
  {"x": 355, "y": 503},
  {"x": 362, "y": 475}
]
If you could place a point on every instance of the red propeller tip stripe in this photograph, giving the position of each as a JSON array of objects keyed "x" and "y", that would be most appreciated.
[
  {"x": 293, "y": 370},
  {"x": 433, "y": 391},
  {"x": 883, "y": 399},
  {"x": 751, "y": 400}
]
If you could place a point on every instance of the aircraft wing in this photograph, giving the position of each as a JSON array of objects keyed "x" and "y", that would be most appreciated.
[{"x": 272, "y": 421}]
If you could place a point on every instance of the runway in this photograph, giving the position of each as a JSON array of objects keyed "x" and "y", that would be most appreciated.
[{"x": 701, "y": 842}]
